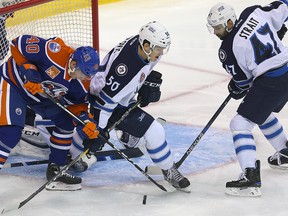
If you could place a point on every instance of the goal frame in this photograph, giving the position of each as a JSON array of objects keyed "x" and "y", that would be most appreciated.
[{"x": 32, "y": 3}]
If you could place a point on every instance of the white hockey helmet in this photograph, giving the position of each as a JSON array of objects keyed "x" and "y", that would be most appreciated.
[
  {"x": 219, "y": 15},
  {"x": 157, "y": 35}
]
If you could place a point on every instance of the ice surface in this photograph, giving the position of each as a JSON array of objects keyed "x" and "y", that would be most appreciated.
[{"x": 194, "y": 87}]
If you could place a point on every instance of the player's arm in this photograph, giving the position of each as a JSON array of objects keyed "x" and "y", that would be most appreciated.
[{"x": 27, "y": 70}]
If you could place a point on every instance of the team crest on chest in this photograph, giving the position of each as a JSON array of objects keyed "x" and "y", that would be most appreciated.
[
  {"x": 52, "y": 72},
  {"x": 121, "y": 69}
]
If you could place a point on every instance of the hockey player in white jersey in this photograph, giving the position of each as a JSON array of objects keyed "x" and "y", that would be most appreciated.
[
  {"x": 128, "y": 68},
  {"x": 252, "y": 52}
]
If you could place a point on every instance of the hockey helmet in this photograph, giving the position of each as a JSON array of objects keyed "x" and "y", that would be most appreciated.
[
  {"x": 87, "y": 60},
  {"x": 156, "y": 34},
  {"x": 219, "y": 15}
]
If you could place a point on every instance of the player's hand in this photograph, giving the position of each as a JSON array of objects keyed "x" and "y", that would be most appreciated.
[
  {"x": 235, "y": 92},
  {"x": 150, "y": 90},
  {"x": 89, "y": 130},
  {"x": 33, "y": 87}
]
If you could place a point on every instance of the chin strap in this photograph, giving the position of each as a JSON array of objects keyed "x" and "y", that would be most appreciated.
[{"x": 146, "y": 53}]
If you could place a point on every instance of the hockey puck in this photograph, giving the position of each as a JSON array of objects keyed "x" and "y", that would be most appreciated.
[{"x": 144, "y": 199}]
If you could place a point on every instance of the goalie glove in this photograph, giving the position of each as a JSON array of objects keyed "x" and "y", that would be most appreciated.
[{"x": 150, "y": 90}]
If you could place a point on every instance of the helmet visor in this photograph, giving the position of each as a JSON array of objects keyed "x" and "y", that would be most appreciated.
[
  {"x": 157, "y": 50},
  {"x": 81, "y": 76},
  {"x": 215, "y": 29}
]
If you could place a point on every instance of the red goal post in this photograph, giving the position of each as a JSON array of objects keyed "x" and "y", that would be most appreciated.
[{"x": 75, "y": 21}]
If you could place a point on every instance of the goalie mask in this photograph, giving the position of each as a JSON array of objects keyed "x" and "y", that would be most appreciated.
[
  {"x": 87, "y": 60},
  {"x": 157, "y": 36},
  {"x": 219, "y": 16}
]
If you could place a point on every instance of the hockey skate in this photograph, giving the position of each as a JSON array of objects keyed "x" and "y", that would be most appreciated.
[
  {"x": 176, "y": 179},
  {"x": 249, "y": 183},
  {"x": 65, "y": 182},
  {"x": 279, "y": 160},
  {"x": 85, "y": 162}
]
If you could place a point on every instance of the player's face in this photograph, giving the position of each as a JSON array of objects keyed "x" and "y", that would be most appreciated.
[
  {"x": 79, "y": 75},
  {"x": 220, "y": 31},
  {"x": 157, "y": 52}
]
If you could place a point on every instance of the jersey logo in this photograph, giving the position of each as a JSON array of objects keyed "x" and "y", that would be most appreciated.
[
  {"x": 52, "y": 72},
  {"x": 18, "y": 111},
  {"x": 121, "y": 69},
  {"x": 55, "y": 90},
  {"x": 54, "y": 47},
  {"x": 222, "y": 55}
]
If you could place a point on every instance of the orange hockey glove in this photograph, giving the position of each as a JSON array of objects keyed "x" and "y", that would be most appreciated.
[
  {"x": 33, "y": 87},
  {"x": 89, "y": 130}
]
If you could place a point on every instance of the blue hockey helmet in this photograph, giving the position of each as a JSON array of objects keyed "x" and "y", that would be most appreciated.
[{"x": 87, "y": 60}]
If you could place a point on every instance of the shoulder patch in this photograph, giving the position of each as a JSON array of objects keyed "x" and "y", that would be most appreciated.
[
  {"x": 222, "y": 55},
  {"x": 121, "y": 69},
  {"x": 54, "y": 47}
]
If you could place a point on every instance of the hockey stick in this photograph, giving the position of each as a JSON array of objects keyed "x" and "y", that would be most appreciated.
[
  {"x": 64, "y": 169},
  {"x": 156, "y": 170},
  {"x": 101, "y": 156},
  {"x": 108, "y": 142},
  {"x": 124, "y": 115}
]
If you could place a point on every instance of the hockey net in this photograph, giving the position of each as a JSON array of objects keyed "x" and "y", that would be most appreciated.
[{"x": 75, "y": 21}]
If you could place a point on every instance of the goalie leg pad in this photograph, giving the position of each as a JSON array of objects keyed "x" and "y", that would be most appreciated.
[{"x": 84, "y": 163}]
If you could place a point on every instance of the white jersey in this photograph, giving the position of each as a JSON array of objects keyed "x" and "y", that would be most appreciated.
[
  {"x": 253, "y": 48},
  {"x": 125, "y": 73}
]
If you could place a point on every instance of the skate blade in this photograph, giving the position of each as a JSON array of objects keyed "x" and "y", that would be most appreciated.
[
  {"x": 244, "y": 192},
  {"x": 186, "y": 190},
  {"x": 60, "y": 186},
  {"x": 280, "y": 167}
]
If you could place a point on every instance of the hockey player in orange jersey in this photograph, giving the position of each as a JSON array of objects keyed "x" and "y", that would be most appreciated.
[{"x": 36, "y": 64}]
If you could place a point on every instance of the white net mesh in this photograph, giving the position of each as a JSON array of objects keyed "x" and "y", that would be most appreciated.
[{"x": 70, "y": 20}]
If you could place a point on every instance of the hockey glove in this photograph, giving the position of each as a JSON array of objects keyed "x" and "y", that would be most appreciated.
[
  {"x": 89, "y": 130},
  {"x": 281, "y": 33},
  {"x": 150, "y": 90},
  {"x": 235, "y": 92},
  {"x": 31, "y": 77},
  {"x": 33, "y": 88},
  {"x": 97, "y": 144}
]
